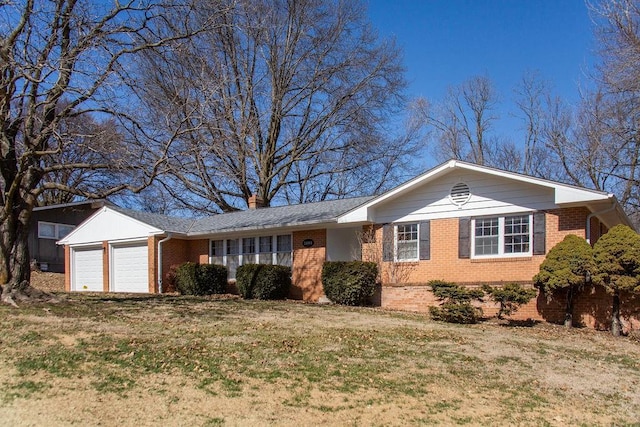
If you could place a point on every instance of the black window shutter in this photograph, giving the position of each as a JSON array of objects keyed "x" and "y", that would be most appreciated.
[
  {"x": 464, "y": 238},
  {"x": 387, "y": 242},
  {"x": 539, "y": 233},
  {"x": 425, "y": 240}
]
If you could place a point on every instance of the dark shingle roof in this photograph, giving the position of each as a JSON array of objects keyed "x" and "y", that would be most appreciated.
[
  {"x": 253, "y": 219},
  {"x": 281, "y": 216}
]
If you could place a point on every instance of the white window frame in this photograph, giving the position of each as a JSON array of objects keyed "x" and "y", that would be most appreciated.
[
  {"x": 253, "y": 257},
  {"x": 501, "y": 237},
  {"x": 395, "y": 242},
  {"x": 56, "y": 230}
]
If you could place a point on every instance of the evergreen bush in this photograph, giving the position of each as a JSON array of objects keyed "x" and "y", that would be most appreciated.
[
  {"x": 455, "y": 303},
  {"x": 349, "y": 282},
  {"x": 510, "y": 297},
  {"x": 617, "y": 267},
  {"x": 200, "y": 279},
  {"x": 263, "y": 281},
  {"x": 566, "y": 267}
]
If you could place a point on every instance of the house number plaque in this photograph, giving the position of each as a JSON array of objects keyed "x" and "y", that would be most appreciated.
[{"x": 307, "y": 243}]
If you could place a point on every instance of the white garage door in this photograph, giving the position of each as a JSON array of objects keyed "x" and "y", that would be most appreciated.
[
  {"x": 86, "y": 269},
  {"x": 130, "y": 266}
]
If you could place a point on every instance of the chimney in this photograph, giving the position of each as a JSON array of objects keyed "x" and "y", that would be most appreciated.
[{"x": 255, "y": 202}]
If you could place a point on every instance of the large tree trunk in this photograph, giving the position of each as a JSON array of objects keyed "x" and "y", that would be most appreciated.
[
  {"x": 15, "y": 266},
  {"x": 568, "y": 312},
  {"x": 616, "y": 325}
]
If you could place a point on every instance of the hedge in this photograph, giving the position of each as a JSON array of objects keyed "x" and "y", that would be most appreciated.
[
  {"x": 263, "y": 281},
  {"x": 349, "y": 282},
  {"x": 201, "y": 279}
]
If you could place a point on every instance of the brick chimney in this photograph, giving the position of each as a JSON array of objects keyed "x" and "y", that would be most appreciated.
[{"x": 255, "y": 202}]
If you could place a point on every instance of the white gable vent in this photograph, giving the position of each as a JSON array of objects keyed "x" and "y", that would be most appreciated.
[{"x": 460, "y": 194}]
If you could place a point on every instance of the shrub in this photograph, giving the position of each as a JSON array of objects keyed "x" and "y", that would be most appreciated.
[
  {"x": 213, "y": 278},
  {"x": 263, "y": 281},
  {"x": 349, "y": 282},
  {"x": 200, "y": 279},
  {"x": 617, "y": 267},
  {"x": 566, "y": 267},
  {"x": 510, "y": 297},
  {"x": 463, "y": 313},
  {"x": 455, "y": 303}
]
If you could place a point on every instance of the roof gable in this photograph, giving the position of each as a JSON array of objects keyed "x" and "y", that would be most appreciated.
[
  {"x": 109, "y": 224},
  {"x": 512, "y": 191}
]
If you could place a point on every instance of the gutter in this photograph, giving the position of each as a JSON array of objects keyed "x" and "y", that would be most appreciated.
[
  {"x": 591, "y": 215},
  {"x": 166, "y": 239}
]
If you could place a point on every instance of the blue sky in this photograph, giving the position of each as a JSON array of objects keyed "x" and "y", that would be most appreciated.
[{"x": 448, "y": 41}]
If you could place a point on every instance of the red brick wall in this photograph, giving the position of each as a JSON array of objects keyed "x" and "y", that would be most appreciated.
[
  {"x": 67, "y": 268},
  {"x": 105, "y": 266},
  {"x": 198, "y": 251},
  {"x": 445, "y": 264},
  {"x": 307, "y": 265},
  {"x": 592, "y": 308}
]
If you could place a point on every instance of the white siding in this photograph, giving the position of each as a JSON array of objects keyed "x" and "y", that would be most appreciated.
[
  {"x": 109, "y": 225},
  {"x": 343, "y": 244},
  {"x": 86, "y": 269},
  {"x": 130, "y": 268},
  {"x": 490, "y": 195}
]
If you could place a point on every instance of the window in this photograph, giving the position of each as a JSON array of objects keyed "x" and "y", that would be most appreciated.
[
  {"x": 50, "y": 230},
  {"x": 283, "y": 255},
  {"x": 407, "y": 242},
  {"x": 217, "y": 252},
  {"x": 502, "y": 236},
  {"x": 233, "y": 257},
  {"x": 249, "y": 250},
  {"x": 264, "y": 249}
]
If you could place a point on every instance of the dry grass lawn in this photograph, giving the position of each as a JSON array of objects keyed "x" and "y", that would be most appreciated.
[{"x": 166, "y": 360}]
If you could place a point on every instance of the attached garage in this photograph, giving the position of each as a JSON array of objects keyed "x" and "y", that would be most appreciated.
[
  {"x": 130, "y": 267},
  {"x": 86, "y": 269},
  {"x": 115, "y": 250}
]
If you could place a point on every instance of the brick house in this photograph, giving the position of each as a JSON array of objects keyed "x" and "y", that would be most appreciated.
[{"x": 458, "y": 222}]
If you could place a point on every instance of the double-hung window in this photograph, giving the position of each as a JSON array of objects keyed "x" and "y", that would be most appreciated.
[
  {"x": 406, "y": 242},
  {"x": 248, "y": 250},
  {"x": 502, "y": 236}
]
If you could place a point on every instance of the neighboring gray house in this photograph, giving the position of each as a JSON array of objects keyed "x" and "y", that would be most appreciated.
[{"x": 50, "y": 224}]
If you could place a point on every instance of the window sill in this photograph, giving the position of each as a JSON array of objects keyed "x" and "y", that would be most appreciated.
[{"x": 502, "y": 259}]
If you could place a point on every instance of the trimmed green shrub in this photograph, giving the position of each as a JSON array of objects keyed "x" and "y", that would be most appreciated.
[
  {"x": 566, "y": 267},
  {"x": 617, "y": 267},
  {"x": 200, "y": 279},
  {"x": 349, "y": 282},
  {"x": 455, "y": 305},
  {"x": 510, "y": 297},
  {"x": 213, "y": 278},
  {"x": 263, "y": 281},
  {"x": 463, "y": 313}
]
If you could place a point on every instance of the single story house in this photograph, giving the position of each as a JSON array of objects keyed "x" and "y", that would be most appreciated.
[
  {"x": 52, "y": 223},
  {"x": 458, "y": 222}
]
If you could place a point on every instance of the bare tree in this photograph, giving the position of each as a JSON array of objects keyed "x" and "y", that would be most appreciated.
[
  {"x": 290, "y": 99},
  {"x": 463, "y": 121},
  {"x": 61, "y": 60}
]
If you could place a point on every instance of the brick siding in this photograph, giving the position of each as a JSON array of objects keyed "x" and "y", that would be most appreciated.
[{"x": 307, "y": 265}]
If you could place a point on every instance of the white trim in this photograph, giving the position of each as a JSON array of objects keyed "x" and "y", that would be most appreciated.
[
  {"x": 395, "y": 242},
  {"x": 563, "y": 193},
  {"x": 241, "y": 255},
  {"x": 501, "y": 253}
]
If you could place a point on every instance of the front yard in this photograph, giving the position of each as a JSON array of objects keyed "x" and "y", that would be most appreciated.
[{"x": 167, "y": 360}]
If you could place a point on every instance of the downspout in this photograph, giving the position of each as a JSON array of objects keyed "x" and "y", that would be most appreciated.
[
  {"x": 169, "y": 236},
  {"x": 591, "y": 215}
]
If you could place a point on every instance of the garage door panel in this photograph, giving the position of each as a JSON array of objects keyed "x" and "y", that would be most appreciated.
[
  {"x": 87, "y": 274},
  {"x": 130, "y": 266}
]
